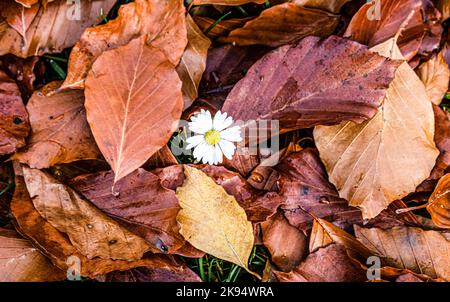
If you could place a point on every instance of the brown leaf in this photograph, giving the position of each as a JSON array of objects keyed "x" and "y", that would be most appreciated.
[
  {"x": 333, "y": 6},
  {"x": 371, "y": 164},
  {"x": 89, "y": 230},
  {"x": 148, "y": 209},
  {"x": 132, "y": 116},
  {"x": 284, "y": 24},
  {"x": 222, "y": 28},
  {"x": 286, "y": 244},
  {"x": 226, "y": 2},
  {"x": 162, "y": 21},
  {"x": 423, "y": 252},
  {"x": 152, "y": 274},
  {"x": 277, "y": 87},
  {"x": 444, "y": 7},
  {"x": 14, "y": 125},
  {"x": 304, "y": 187},
  {"x": 162, "y": 158},
  {"x": 60, "y": 132},
  {"x": 58, "y": 248},
  {"x": 378, "y": 29},
  {"x": 22, "y": 71},
  {"x": 328, "y": 264},
  {"x": 435, "y": 75},
  {"x": 39, "y": 30},
  {"x": 193, "y": 62},
  {"x": 21, "y": 262},
  {"x": 29, "y": 3},
  {"x": 439, "y": 203}
]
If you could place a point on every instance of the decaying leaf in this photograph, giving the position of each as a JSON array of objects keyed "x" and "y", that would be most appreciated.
[
  {"x": 23, "y": 72},
  {"x": 423, "y": 252},
  {"x": 222, "y": 28},
  {"x": 162, "y": 21},
  {"x": 439, "y": 203},
  {"x": 148, "y": 209},
  {"x": 333, "y": 6},
  {"x": 444, "y": 7},
  {"x": 21, "y": 262},
  {"x": 60, "y": 132},
  {"x": 193, "y": 62},
  {"x": 89, "y": 230},
  {"x": 226, "y": 2},
  {"x": 14, "y": 124},
  {"x": 286, "y": 244},
  {"x": 374, "y": 163},
  {"x": 41, "y": 29},
  {"x": 283, "y": 24},
  {"x": 212, "y": 221},
  {"x": 277, "y": 87},
  {"x": 435, "y": 75},
  {"x": 153, "y": 274},
  {"x": 131, "y": 115}
]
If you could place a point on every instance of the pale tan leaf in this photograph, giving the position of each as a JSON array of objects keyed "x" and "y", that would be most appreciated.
[
  {"x": 162, "y": 21},
  {"x": 376, "y": 162},
  {"x": 21, "y": 262},
  {"x": 60, "y": 132},
  {"x": 53, "y": 27},
  {"x": 423, "y": 252},
  {"x": 133, "y": 104},
  {"x": 333, "y": 6},
  {"x": 435, "y": 75},
  {"x": 193, "y": 62},
  {"x": 92, "y": 232},
  {"x": 212, "y": 221}
]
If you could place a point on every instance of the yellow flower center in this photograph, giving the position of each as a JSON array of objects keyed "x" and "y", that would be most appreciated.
[{"x": 212, "y": 137}]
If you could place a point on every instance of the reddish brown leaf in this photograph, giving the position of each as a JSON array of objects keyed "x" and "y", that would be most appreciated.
[
  {"x": 60, "y": 132},
  {"x": 162, "y": 21},
  {"x": 132, "y": 116},
  {"x": 163, "y": 158},
  {"x": 226, "y": 2},
  {"x": 439, "y": 203},
  {"x": 222, "y": 28},
  {"x": 14, "y": 125},
  {"x": 151, "y": 274},
  {"x": 277, "y": 87},
  {"x": 18, "y": 16},
  {"x": 22, "y": 71},
  {"x": 284, "y": 24}
]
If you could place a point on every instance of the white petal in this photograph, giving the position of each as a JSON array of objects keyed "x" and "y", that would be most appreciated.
[
  {"x": 208, "y": 155},
  {"x": 219, "y": 156},
  {"x": 227, "y": 148},
  {"x": 232, "y": 134},
  {"x": 194, "y": 141},
  {"x": 199, "y": 151},
  {"x": 201, "y": 122}
]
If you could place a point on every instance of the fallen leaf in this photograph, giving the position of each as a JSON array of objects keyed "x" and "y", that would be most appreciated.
[
  {"x": 435, "y": 75},
  {"x": 89, "y": 230},
  {"x": 22, "y": 71},
  {"x": 21, "y": 262},
  {"x": 328, "y": 264},
  {"x": 222, "y": 28},
  {"x": 38, "y": 30},
  {"x": 212, "y": 221},
  {"x": 305, "y": 189},
  {"x": 276, "y": 87},
  {"x": 286, "y": 244},
  {"x": 14, "y": 125},
  {"x": 444, "y": 7},
  {"x": 333, "y": 6},
  {"x": 226, "y": 2},
  {"x": 367, "y": 27},
  {"x": 374, "y": 163},
  {"x": 28, "y": 3},
  {"x": 193, "y": 62},
  {"x": 162, "y": 21},
  {"x": 148, "y": 209},
  {"x": 132, "y": 116},
  {"x": 423, "y": 252},
  {"x": 283, "y": 24},
  {"x": 439, "y": 203},
  {"x": 60, "y": 132},
  {"x": 162, "y": 158},
  {"x": 152, "y": 274}
]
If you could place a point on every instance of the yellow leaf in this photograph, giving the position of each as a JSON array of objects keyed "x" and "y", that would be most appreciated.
[
  {"x": 376, "y": 162},
  {"x": 212, "y": 221}
]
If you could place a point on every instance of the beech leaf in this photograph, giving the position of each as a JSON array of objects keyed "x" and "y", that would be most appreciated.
[
  {"x": 435, "y": 75},
  {"x": 332, "y": 6},
  {"x": 212, "y": 221},
  {"x": 439, "y": 203},
  {"x": 226, "y": 2},
  {"x": 374, "y": 163},
  {"x": 131, "y": 115}
]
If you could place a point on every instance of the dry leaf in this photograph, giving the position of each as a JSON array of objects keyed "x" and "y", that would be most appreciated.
[
  {"x": 89, "y": 230},
  {"x": 284, "y": 24},
  {"x": 154, "y": 274},
  {"x": 444, "y": 7},
  {"x": 333, "y": 6},
  {"x": 29, "y": 3},
  {"x": 162, "y": 21},
  {"x": 435, "y": 74},
  {"x": 212, "y": 221},
  {"x": 193, "y": 62},
  {"x": 222, "y": 28},
  {"x": 148, "y": 209},
  {"x": 226, "y": 2},
  {"x": 439, "y": 203},
  {"x": 14, "y": 125},
  {"x": 371, "y": 29},
  {"x": 131, "y": 115},
  {"x": 39, "y": 30},
  {"x": 286, "y": 244},
  {"x": 328, "y": 264},
  {"x": 23, "y": 72},
  {"x": 163, "y": 158},
  {"x": 374, "y": 163},
  {"x": 60, "y": 132},
  {"x": 305, "y": 189},
  {"x": 277, "y": 87},
  {"x": 423, "y": 252},
  {"x": 21, "y": 262}
]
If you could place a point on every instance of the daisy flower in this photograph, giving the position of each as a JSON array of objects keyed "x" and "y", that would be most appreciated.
[{"x": 213, "y": 137}]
